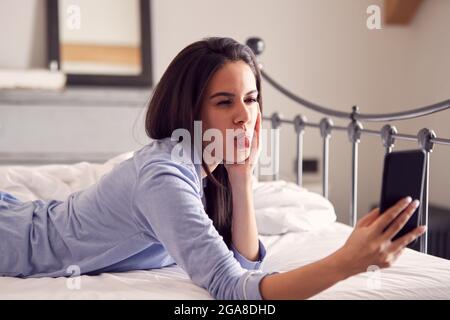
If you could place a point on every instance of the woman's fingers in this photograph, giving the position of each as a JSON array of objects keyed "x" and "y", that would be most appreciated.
[
  {"x": 387, "y": 217},
  {"x": 368, "y": 218},
  {"x": 253, "y": 150},
  {"x": 401, "y": 220},
  {"x": 258, "y": 127},
  {"x": 255, "y": 144},
  {"x": 403, "y": 241}
]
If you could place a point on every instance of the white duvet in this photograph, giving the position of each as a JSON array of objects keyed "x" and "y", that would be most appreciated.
[{"x": 296, "y": 226}]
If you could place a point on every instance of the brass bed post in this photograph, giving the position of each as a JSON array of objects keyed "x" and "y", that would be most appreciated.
[
  {"x": 354, "y": 134},
  {"x": 424, "y": 138},
  {"x": 326, "y": 124},
  {"x": 275, "y": 144},
  {"x": 299, "y": 126}
]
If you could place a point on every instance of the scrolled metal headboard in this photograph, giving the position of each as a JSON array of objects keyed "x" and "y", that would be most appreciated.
[{"x": 426, "y": 138}]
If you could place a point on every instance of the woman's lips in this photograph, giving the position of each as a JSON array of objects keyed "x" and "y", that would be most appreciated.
[{"x": 242, "y": 141}]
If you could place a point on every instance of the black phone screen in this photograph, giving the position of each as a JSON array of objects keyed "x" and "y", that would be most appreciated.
[{"x": 403, "y": 175}]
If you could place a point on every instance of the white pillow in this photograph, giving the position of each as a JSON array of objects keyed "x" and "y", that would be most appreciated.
[
  {"x": 56, "y": 181},
  {"x": 282, "y": 206}
]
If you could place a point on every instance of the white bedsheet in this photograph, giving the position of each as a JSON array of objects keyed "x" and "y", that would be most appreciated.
[{"x": 413, "y": 276}]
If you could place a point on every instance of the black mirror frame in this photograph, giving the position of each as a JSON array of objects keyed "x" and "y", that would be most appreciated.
[{"x": 144, "y": 79}]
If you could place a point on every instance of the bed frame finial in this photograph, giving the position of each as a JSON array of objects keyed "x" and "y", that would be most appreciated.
[
  {"x": 424, "y": 138},
  {"x": 388, "y": 133}
]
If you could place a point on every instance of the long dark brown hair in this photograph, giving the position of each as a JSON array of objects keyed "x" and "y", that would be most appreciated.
[{"x": 176, "y": 103}]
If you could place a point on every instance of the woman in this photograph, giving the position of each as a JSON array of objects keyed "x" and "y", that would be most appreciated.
[{"x": 168, "y": 204}]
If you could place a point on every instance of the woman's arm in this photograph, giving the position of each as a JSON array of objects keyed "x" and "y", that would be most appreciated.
[
  {"x": 304, "y": 282},
  {"x": 369, "y": 244},
  {"x": 243, "y": 229},
  {"x": 167, "y": 207},
  {"x": 299, "y": 283}
]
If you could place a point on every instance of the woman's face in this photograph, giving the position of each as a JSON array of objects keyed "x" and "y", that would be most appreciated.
[{"x": 231, "y": 107}]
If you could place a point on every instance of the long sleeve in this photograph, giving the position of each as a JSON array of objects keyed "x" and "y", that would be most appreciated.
[
  {"x": 167, "y": 202},
  {"x": 243, "y": 261},
  {"x": 248, "y": 264}
]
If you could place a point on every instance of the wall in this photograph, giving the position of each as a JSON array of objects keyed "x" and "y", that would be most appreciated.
[
  {"x": 321, "y": 50},
  {"x": 109, "y": 22},
  {"x": 430, "y": 83},
  {"x": 22, "y": 34}
]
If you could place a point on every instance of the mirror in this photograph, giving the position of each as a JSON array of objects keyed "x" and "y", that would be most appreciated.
[{"x": 100, "y": 42}]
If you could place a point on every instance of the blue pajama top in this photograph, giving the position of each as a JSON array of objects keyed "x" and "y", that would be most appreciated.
[{"x": 146, "y": 213}]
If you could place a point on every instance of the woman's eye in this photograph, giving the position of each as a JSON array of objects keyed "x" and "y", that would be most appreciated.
[
  {"x": 224, "y": 103},
  {"x": 251, "y": 100}
]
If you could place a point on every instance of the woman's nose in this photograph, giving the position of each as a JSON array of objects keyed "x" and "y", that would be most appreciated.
[{"x": 243, "y": 115}]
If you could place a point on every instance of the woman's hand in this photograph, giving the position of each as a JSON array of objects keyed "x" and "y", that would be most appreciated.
[
  {"x": 370, "y": 243},
  {"x": 245, "y": 169},
  {"x": 244, "y": 230}
]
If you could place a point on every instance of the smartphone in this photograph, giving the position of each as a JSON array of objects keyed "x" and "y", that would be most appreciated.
[{"x": 403, "y": 175}]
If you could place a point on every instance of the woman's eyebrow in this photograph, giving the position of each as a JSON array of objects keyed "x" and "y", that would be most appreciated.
[{"x": 229, "y": 94}]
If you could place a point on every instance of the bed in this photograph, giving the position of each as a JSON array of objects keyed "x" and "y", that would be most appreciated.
[{"x": 296, "y": 225}]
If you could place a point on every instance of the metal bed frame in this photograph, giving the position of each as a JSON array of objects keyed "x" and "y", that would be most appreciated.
[{"x": 426, "y": 138}]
